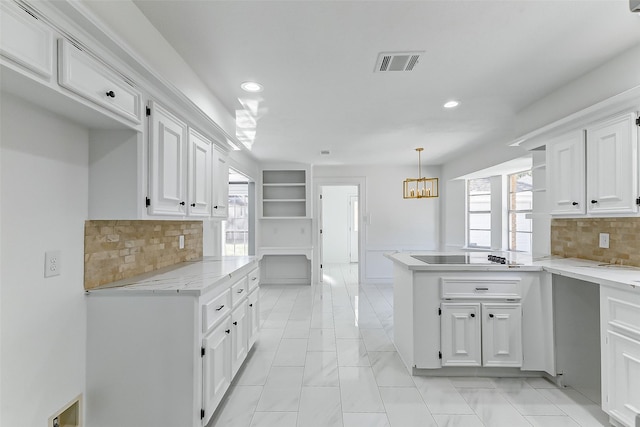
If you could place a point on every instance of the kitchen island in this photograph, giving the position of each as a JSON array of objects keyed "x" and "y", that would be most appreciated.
[
  {"x": 163, "y": 347},
  {"x": 472, "y": 317}
]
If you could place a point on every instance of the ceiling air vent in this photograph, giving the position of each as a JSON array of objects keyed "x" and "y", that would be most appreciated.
[{"x": 397, "y": 61}]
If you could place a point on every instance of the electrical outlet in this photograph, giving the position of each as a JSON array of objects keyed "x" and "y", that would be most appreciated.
[
  {"x": 604, "y": 240},
  {"x": 181, "y": 242},
  {"x": 52, "y": 263}
]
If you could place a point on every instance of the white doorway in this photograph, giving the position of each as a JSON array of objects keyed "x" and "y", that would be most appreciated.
[{"x": 339, "y": 225}]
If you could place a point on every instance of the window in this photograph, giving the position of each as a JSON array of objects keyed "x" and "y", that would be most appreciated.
[
  {"x": 236, "y": 227},
  {"x": 520, "y": 207},
  {"x": 479, "y": 212}
]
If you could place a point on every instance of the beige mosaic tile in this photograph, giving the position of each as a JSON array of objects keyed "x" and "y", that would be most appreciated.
[
  {"x": 579, "y": 238},
  {"x": 116, "y": 250}
]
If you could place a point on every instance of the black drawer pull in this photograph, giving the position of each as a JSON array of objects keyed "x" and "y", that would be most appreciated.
[
  {"x": 491, "y": 315},
  {"x": 227, "y": 331},
  {"x": 254, "y": 278},
  {"x": 235, "y": 323},
  {"x": 482, "y": 289},
  {"x": 575, "y": 203},
  {"x": 473, "y": 315},
  {"x": 182, "y": 203},
  {"x": 220, "y": 308},
  {"x": 250, "y": 305},
  {"x": 193, "y": 205},
  {"x": 111, "y": 94},
  {"x": 594, "y": 202},
  {"x": 240, "y": 291}
]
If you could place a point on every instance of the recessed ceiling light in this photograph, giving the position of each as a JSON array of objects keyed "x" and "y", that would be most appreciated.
[
  {"x": 251, "y": 87},
  {"x": 451, "y": 104}
]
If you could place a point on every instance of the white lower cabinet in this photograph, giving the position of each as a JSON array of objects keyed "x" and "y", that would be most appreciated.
[
  {"x": 253, "y": 316},
  {"x": 239, "y": 340},
  {"x": 620, "y": 329},
  {"x": 134, "y": 378},
  {"x": 216, "y": 367},
  {"x": 487, "y": 334},
  {"x": 502, "y": 334},
  {"x": 460, "y": 326}
]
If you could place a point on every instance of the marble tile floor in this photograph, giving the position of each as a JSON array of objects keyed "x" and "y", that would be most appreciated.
[{"x": 325, "y": 358}]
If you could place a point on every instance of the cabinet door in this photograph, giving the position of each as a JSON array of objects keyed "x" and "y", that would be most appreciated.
[
  {"x": 89, "y": 78},
  {"x": 238, "y": 337},
  {"x": 216, "y": 368},
  {"x": 167, "y": 141},
  {"x": 566, "y": 174},
  {"x": 624, "y": 378},
  {"x": 220, "y": 185},
  {"x": 460, "y": 332},
  {"x": 253, "y": 313},
  {"x": 25, "y": 41},
  {"x": 612, "y": 165},
  {"x": 502, "y": 334},
  {"x": 199, "y": 171}
]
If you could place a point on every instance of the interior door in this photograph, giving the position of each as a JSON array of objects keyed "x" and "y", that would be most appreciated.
[{"x": 353, "y": 228}]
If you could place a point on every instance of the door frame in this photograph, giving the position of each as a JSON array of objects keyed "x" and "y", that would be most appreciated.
[{"x": 353, "y": 181}]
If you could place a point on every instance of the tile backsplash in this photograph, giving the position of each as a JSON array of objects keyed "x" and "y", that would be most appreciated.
[
  {"x": 579, "y": 238},
  {"x": 115, "y": 250}
]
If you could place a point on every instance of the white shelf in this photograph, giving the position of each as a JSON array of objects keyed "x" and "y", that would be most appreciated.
[
  {"x": 294, "y": 184},
  {"x": 285, "y": 193}
]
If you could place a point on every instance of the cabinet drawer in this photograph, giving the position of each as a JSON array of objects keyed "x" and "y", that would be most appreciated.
[
  {"x": 25, "y": 41},
  {"x": 254, "y": 279},
  {"x": 498, "y": 287},
  {"x": 624, "y": 316},
  {"x": 239, "y": 291},
  {"x": 82, "y": 74},
  {"x": 215, "y": 310}
]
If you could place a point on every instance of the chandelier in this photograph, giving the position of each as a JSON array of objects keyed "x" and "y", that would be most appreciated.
[{"x": 418, "y": 188}]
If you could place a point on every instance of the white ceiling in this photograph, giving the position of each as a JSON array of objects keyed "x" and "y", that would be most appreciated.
[{"x": 316, "y": 61}]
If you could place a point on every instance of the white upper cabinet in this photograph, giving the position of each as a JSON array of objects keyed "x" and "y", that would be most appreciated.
[
  {"x": 220, "y": 185},
  {"x": 612, "y": 165},
  {"x": 598, "y": 174},
  {"x": 566, "y": 174},
  {"x": 167, "y": 142},
  {"x": 199, "y": 170},
  {"x": 84, "y": 75},
  {"x": 25, "y": 40}
]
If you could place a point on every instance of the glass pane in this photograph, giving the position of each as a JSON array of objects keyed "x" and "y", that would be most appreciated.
[
  {"x": 522, "y": 181},
  {"x": 521, "y": 201},
  {"x": 479, "y": 221},
  {"x": 479, "y": 186},
  {"x": 480, "y": 238},
  {"x": 520, "y": 242},
  {"x": 519, "y": 222},
  {"x": 480, "y": 203}
]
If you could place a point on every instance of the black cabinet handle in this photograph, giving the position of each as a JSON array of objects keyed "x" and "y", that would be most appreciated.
[
  {"x": 227, "y": 331},
  {"x": 215, "y": 207},
  {"x": 482, "y": 289},
  {"x": 594, "y": 202},
  {"x": 473, "y": 315},
  {"x": 235, "y": 323},
  {"x": 111, "y": 94},
  {"x": 220, "y": 308},
  {"x": 182, "y": 203},
  {"x": 240, "y": 291},
  {"x": 250, "y": 305},
  {"x": 575, "y": 203},
  {"x": 491, "y": 315},
  {"x": 193, "y": 205}
]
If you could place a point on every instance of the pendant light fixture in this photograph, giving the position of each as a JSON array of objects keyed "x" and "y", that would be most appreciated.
[{"x": 418, "y": 188}]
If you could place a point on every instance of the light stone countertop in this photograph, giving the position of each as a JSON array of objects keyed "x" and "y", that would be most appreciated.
[
  {"x": 619, "y": 276},
  {"x": 189, "y": 278}
]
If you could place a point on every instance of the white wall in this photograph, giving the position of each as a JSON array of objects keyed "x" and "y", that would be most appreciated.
[
  {"x": 44, "y": 170},
  {"x": 394, "y": 223},
  {"x": 335, "y": 223}
]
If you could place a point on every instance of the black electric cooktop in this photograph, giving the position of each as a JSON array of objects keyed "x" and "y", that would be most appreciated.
[{"x": 445, "y": 259}]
